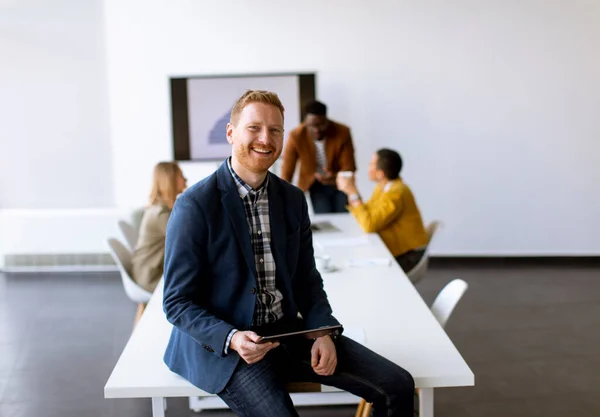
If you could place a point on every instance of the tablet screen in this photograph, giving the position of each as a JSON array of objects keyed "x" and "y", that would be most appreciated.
[{"x": 305, "y": 334}]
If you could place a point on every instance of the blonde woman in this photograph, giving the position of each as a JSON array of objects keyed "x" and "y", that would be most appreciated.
[{"x": 149, "y": 254}]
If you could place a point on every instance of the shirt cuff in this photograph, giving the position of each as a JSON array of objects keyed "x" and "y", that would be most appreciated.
[{"x": 228, "y": 340}]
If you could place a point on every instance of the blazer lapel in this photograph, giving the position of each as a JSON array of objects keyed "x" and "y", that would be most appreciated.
[
  {"x": 234, "y": 207},
  {"x": 310, "y": 150},
  {"x": 278, "y": 224}
]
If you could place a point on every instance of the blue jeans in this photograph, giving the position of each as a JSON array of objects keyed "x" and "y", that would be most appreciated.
[
  {"x": 327, "y": 199},
  {"x": 259, "y": 389}
]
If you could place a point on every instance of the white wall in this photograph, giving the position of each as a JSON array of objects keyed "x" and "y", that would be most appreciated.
[
  {"x": 54, "y": 145},
  {"x": 494, "y": 105},
  {"x": 65, "y": 231}
]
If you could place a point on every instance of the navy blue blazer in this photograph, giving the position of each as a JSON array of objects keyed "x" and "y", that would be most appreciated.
[{"x": 210, "y": 274}]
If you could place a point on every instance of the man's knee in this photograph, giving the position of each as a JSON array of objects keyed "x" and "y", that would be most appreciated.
[
  {"x": 401, "y": 390},
  {"x": 402, "y": 382},
  {"x": 398, "y": 382}
]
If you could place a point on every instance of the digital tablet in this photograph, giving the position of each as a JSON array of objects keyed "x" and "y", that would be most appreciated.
[{"x": 306, "y": 334}]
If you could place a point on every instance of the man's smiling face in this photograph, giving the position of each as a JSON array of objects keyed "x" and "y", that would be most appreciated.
[{"x": 257, "y": 136}]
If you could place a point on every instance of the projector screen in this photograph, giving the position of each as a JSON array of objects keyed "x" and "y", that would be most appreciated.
[{"x": 201, "y": 107}]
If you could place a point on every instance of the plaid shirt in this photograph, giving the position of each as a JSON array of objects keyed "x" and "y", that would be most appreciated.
[
  {"x": 320, "y": 155},
  {"x": 256, "y": 205}
]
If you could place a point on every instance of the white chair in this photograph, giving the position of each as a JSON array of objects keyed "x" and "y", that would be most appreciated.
[
  {"x": 136, "y": 217},
  {"x": 442, "y": 307},
  {"x": 419, "y": 271},
  {"x": 130, "y": 233},
  {"x": 122, "y": 258},
  {"x": 447, "y": 299},
  {"x": 432, "y": 228}
]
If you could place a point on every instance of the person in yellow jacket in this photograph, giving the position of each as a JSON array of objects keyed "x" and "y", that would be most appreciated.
[{"x": 391, "y": 211}]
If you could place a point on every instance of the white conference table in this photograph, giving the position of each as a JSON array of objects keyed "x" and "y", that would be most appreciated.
[{"x": 376, "y": 303}]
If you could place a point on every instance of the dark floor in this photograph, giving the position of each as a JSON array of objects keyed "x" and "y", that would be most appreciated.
[{"x": 530, "y": 333}]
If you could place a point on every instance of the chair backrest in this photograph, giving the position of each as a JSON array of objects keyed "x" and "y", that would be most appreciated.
[
  {"x": 419, "y": 271},
  {"x": 432, "y": 228},
  {"x": 122, "y": 257},
  {"x": 136, "y": 217},
  {"x": 130, "y": 234},
  {"x": 447, "y": 299}
]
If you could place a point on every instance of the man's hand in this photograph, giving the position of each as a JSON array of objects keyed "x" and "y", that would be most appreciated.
[
  {"x": 325, "y": 177},
  {"x": 346, "y": 185},
  {"x": 244, "y": 343},
  {"x": 324, "y": 356}
]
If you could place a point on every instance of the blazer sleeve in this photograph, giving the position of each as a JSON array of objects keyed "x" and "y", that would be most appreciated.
[
  {"x": 373, "y": 216},
  {"x": 309, "y": 295},
  {"x": 347, "y": 161},
  {"x": 186, "y": 277},
  {"x": 290, "y": 156}
]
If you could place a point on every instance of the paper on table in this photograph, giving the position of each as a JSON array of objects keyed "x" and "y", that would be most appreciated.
[
  {"x": 318, "y": 227},
  {"x": 355, "y": 333},
  {"x": 344, "y": 242},
  {"x": 370, "y": 262}
]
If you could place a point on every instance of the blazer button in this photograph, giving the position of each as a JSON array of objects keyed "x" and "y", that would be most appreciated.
[{"x": 253, "y": 290}]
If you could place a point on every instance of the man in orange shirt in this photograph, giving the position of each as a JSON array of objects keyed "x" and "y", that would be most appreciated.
[
  {"x": 391, "y": 211},
  {"x": 324, "y": 148}
]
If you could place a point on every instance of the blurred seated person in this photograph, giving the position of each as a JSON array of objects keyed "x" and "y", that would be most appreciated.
[
  {"x": 149, "y": 254},
  {"x": 323, "y": 148},
  {"x": 391, "y": 211}
]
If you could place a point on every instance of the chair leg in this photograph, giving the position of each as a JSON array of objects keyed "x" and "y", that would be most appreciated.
[
  {"x": 364, "y": 408},
  {"x": 361, "y": 408},
  {"x": 417, "y": 402},
  {"x": 140, "y": 310},
  {"x": 367, "y": 410}
]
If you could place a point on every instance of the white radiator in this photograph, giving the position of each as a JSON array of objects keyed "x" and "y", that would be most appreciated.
[{"x": 63, "y": 262}]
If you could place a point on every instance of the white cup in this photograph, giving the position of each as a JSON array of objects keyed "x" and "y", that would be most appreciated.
[
  {"x": 346, "y": 174},
  {"x": 322, "y": 262}
]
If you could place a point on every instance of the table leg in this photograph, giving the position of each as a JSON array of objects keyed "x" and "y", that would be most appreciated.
[
  {"x": 426, "y": 402},
  {"x": 158, "y": 407}
]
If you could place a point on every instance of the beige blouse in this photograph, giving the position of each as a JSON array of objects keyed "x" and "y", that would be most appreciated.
[{"x": 149, "y": 255}]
